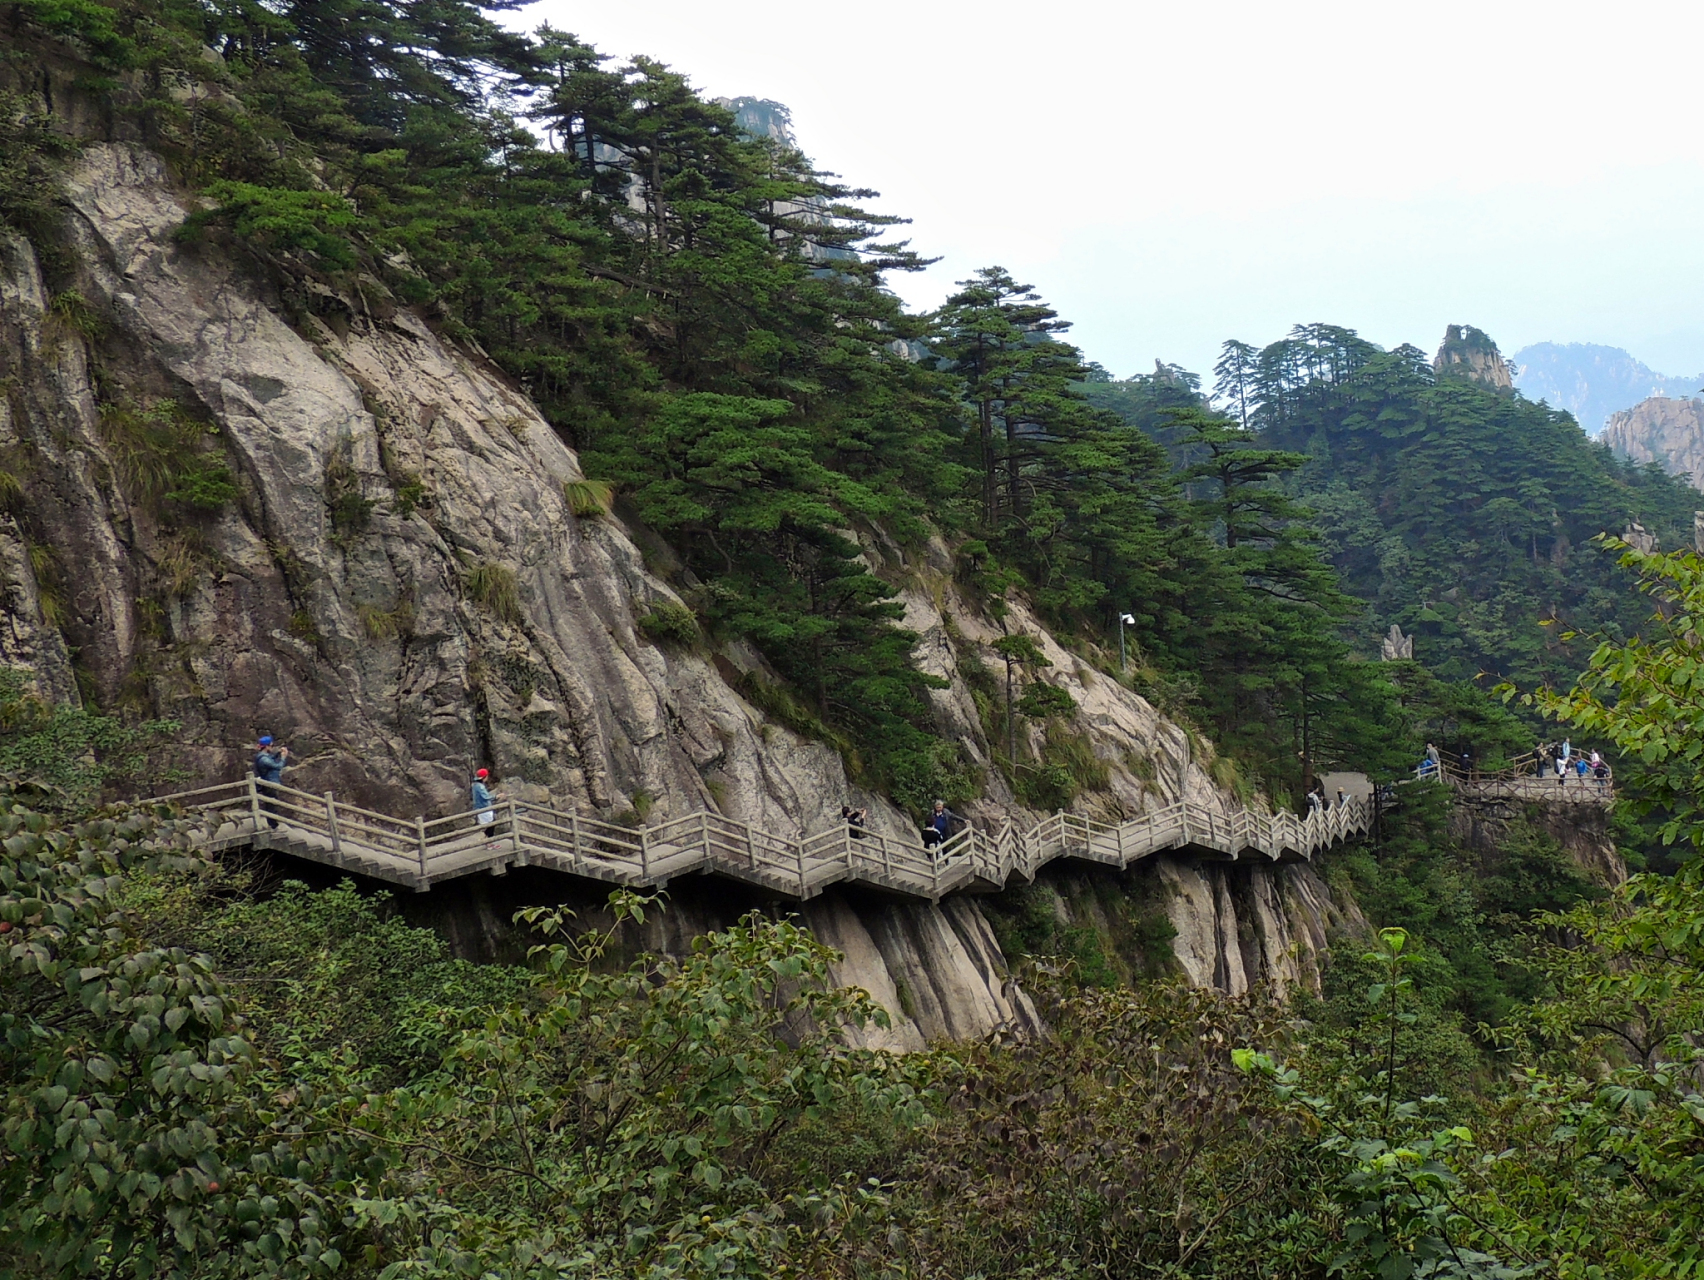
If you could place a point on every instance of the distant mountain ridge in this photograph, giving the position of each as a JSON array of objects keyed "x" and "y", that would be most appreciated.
[{"x": 1592, "y": 381}]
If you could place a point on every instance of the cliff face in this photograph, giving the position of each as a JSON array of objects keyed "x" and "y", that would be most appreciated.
[
  {"x": 1670, "y": 432},
  {"x": 400, "y": 590},
  {"x": 1468, "y": 353}
]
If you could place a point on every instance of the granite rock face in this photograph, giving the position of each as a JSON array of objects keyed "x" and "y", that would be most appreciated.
[
  {"x": 1661, "y": 430},
  {"x": 401, "y": 591},
  {"x": 1469, "y": 353}
]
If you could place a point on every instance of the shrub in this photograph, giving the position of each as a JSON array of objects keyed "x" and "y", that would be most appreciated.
[
  {"x": 351, "y": 512},
  {"x": 495, "y": 589},
  {"x": 160, "y": 456},
  {"x": 670, "y": 623},
  {"x": 205, "y": 487},
  {"x": 411, "y": 495},
  {"x": 588, "y": 499}
]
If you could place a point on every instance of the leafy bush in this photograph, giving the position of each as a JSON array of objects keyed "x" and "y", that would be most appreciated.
[
  {"x": 670, "y": 623},
  {"x": 284, "y": 220},
  {"x": 206, "y": 487},
  {"x": 68, "y": 752},
  {"x": 161, "y": 456}
]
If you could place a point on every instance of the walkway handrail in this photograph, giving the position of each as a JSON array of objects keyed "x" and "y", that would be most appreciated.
[{"x": 420, "y": 851}]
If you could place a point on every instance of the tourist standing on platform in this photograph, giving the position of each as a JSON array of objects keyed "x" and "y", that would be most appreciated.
[
  {"x": 939, "y": 825},
  {"x": 269, "y": 766},
  {"x": 484, "y": 801}
]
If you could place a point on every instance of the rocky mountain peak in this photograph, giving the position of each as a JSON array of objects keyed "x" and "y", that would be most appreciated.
[
  {"x": 1661, "y": 429},
  {"x": 1469, "y": 353}
]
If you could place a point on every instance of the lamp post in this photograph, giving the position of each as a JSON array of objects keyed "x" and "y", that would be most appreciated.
[{"x": 1122, "y": 619}]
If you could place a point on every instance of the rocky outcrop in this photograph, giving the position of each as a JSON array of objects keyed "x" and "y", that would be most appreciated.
[
  {"x": 1580, "y": 830},
  {"x": 1469, "y": 353},
  {"x": 399, "y": 587},
  {"x": 1661, "y": 430}
]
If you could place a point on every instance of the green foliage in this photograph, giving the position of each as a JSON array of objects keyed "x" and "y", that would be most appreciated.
[
  {"x": 68, "y": 752},
  {"x": 138, "y": 1125},
  {"x": 350, "y": 511},
  {"x": 1127, "y": 1143},
  {"x": 1643, "y": 694},
  {"x": 94, "y": 27},
  {"x": 284, "y": 221},
  {"x": 327, "y": 1090},
  {"x": 671, "y": 623},
  {"x": 1457, "y": 512},
  {"x": 496, "y": 590},
  {"x": 588, "y": 499},
  {"x": 71, "y": 311},
  {"x": 163, "y": 459},
  {"x": 410, "y": 495}
]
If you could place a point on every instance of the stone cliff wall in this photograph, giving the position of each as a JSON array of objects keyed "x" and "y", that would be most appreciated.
[
  {"x": 1670, "y": 432},
  {"x": 401, "y": 590},
  {"x": 1467, "y": 352}
]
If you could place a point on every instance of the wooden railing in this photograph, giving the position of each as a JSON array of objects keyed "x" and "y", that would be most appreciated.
[
  {"x": 420, "y": 852},
  {"x": 1520, "y": 779}
]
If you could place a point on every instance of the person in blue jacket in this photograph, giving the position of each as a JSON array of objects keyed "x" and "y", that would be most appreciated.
[
  {"x": 939, "y": 825},
  {"x": 485, "y": 801},
  {"x": 269, "y": 765}
]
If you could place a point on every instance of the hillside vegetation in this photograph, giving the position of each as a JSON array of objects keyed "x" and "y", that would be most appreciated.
[{"x": 207, "y": 1073}]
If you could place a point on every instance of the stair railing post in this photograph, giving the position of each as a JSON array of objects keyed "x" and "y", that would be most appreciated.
[
  {"x": 751, "y": 847},
  {"x": 574, "y": 839},
  {"x": 515, "y": 833},
  {"x": 331, "y": 822},
  {"x": 645, "y": 855},
  {"x": 799, "y": 855},
  {"x": 420, "y": 839},
  {"x": 254, "y": 801}
]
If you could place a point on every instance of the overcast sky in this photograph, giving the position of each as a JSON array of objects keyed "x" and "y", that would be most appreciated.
[{"x": 1172, "y": 175}]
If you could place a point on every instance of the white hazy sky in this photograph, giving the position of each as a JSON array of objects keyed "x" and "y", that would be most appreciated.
[{"x": 1171, "y": 175}]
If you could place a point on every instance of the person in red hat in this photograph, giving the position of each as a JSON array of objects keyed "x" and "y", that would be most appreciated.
[{"x": 485, "y": 800}]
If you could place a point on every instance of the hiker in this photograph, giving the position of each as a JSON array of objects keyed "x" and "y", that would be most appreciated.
[
  {"x": 485, "y": 800},
  {"x": 1596, "y": 760},
  {"x": 1340, "y": 797},
  {"x": 269, "y": 767},
  {"x": 1601, "y": 770},
  {"x": 1583, "y": 768},
  {"x": 1432, "y": 754},
  {"x": 1543, "y": 754},
  {"x": 1315, "y": 803},
  {"x": 1465, "y": 763},
  {"x": 939, "y": 825},
  {"x": 854, "y": 820}
]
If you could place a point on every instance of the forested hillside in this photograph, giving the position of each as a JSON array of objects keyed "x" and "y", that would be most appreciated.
[
  {"x": 207, "y": 1070},
  {"x": 655, "y": 280},
  {"x": 1460, "y": 513}
]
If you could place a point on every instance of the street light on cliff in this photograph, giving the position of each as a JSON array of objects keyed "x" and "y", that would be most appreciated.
[{"x": 1122, "y": 619}]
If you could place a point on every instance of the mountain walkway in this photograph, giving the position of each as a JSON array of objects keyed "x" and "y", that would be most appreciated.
[
  {"x": 420, "y": 852},
  {"x": 1522, "y": 780}
]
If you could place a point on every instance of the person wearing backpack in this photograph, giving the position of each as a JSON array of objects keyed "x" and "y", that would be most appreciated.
[{"x": 269, "y": 765}]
